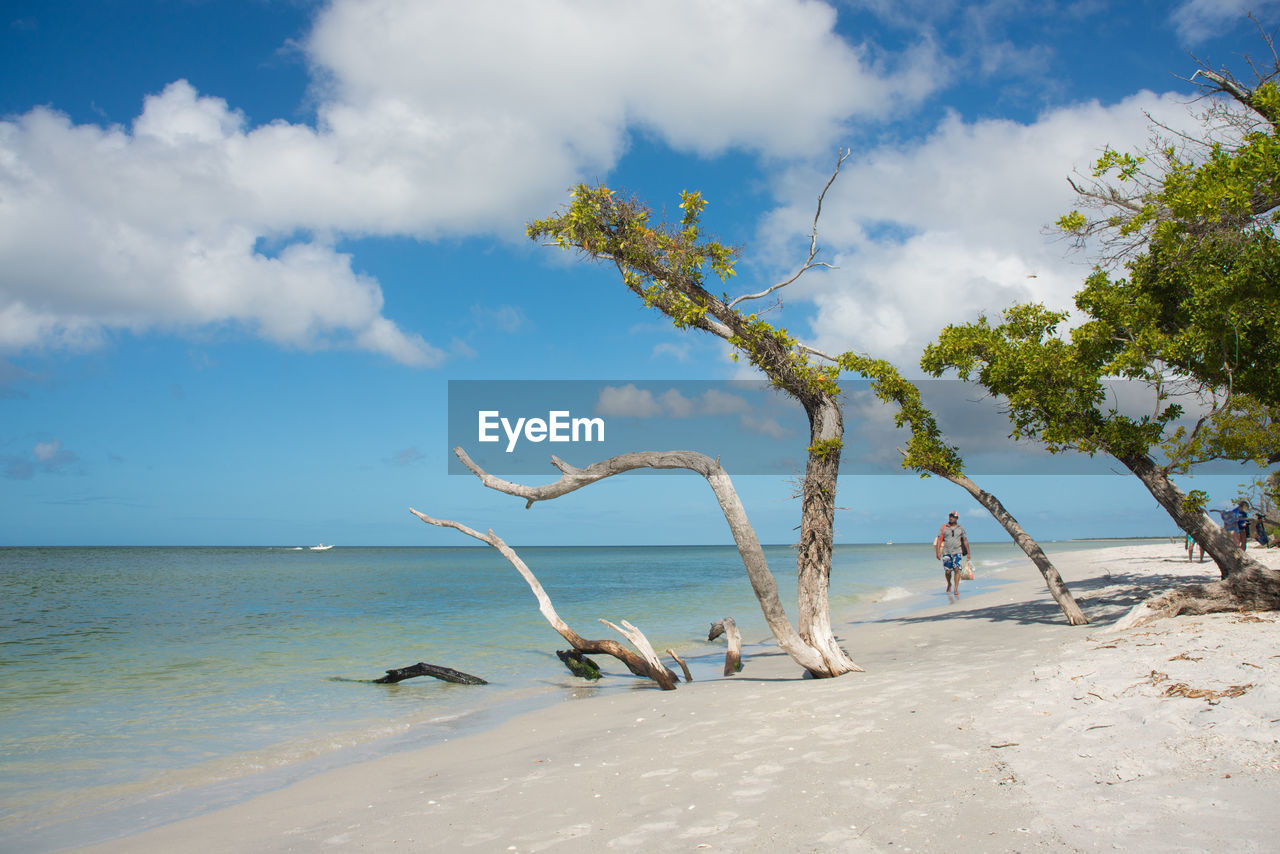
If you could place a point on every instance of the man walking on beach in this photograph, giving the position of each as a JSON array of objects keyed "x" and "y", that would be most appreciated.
[{"x": 951, "y": 547}]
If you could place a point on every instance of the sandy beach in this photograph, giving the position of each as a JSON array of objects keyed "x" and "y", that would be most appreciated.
[{"x": 987, "y": 724}]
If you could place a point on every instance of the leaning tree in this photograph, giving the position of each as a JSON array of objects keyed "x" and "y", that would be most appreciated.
[
  {"x": 1054, "y": 390},
  {"x": 929, "y": 454},
  {"x": 1186, "y": 292},
  {"x": 669, "y": 267}
]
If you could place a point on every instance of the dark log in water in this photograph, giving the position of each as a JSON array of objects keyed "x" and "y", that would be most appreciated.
[
  {"x": 579, "y": 664},
  {"x": 448, "y": 674}
]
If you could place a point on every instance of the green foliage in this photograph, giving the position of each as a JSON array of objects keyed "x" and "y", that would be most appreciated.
[
  {"x": 926, "y": 453},
  {"x": 827, "y": 447},
  {"x": 1195, "y": 501},
  {"x": 1052, "y": 385},
  {"x": 1204, "y": 295},
  {"x": 1198, "y": 302},
  {"x": 1242, "y": 429},
  {"x": 668, "y": 266},
  {"x": 1073, "y": 223}
]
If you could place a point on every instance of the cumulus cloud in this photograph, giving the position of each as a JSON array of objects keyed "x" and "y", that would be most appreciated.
[
  {"x": 680, "y": 351},
  {"x": 432, "y": 119},
  {"x": 160, "y": 227},
  {"x": 951, "y": 227}
]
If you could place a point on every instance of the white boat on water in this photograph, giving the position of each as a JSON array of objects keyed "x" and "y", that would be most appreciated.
[{"x": 321, "y": 548}]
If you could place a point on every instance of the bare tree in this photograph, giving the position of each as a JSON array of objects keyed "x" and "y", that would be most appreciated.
[{"x": 762, "y": 581}]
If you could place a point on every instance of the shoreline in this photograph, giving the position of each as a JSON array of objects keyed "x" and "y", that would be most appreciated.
[{"x": 985, "y": 725}]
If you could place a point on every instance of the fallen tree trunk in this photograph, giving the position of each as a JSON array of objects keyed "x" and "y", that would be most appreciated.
[
  {"x": 732, "y": 656},
  {"x": 447, "y": 674},
  {"x": 640, "y": 665}
]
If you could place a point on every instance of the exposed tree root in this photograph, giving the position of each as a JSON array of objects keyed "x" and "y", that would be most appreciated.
[{"x": 1249, "y": 590}]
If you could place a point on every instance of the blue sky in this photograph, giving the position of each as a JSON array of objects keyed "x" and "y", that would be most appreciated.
[{"x": 244, "y": 246}]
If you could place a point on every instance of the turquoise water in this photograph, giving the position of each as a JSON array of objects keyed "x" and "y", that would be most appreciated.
[{"x": 141, "y": 684}]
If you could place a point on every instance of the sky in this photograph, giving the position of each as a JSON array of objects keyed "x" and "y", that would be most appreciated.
[{"x": 246, "y": 246}]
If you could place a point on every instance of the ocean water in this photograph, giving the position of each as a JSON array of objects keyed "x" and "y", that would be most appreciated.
[{"x": 138, "y": 685}]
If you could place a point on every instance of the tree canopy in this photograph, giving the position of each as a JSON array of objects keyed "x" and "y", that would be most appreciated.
[
  {"x": 1193, "y": 221},
  {"x": 1197, "y": 308}
]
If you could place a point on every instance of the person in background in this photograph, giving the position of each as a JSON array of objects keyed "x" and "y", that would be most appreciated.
[
  {"x": 951, "y": 546},
  {"x": 1236, "y": 522},
  {"x": 1191, "y": 546},
  {"x": 1260, "y": 529}
]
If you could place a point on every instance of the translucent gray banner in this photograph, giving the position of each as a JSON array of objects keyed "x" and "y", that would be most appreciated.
[{"x": 514, "y": 427}]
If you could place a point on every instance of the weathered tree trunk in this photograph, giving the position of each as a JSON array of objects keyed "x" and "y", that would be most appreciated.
[
  {"x": 817, "y": 535},
  {"x": 446, "y": 674},
  {"x": 1245, "y": 585},
  {"x": 646, "y": 665},
  {"x": 1217, "y": 543},
  {"x": 1057, "y": 588},
  {"x": 733, "y": 655}
]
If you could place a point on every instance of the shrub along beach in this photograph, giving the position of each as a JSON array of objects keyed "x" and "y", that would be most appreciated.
[{"x": 986, "y": 724}]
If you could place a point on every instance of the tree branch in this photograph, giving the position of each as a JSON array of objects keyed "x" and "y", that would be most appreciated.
[
  {"x": 762, "y": 581},
  {"x": 809, "y": 263},
  {"x": 646, "y": 664}
]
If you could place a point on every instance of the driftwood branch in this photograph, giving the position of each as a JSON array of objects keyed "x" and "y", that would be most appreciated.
[
  {"x": 640, "y": 642},
  {"x": 447, "y": 674},
  {"x": 763, "y": 583},
  {"x": 637, "y": 664},
  {"x": 732, "y": 656},
  {"x": 809, "y": 263},
  {"x": 688, "y": 677}
]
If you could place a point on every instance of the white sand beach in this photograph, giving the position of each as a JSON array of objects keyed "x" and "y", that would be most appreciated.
[{"x": 983, "y": 725}]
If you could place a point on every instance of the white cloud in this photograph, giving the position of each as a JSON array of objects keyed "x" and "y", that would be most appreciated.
[
  {"x": 508, "y": 318},
  {"x": 46, "y": 451},
  {"x": 157, "y": 228},
  {"x": 677, "y": 405},
  {"x": 433, "y": 118},
  {"x": 1199, "y": 20},
  {"x": 572, "y": 74},
  {"x": 45, "y": 457},
  {"x": 633, "y": 402},
  {"x": 716, "y": 402},
  {"x": 627, "y": 401},
  {"x": 764, "y": 427},
  {"x": 679, "y": 351},
  {"x": 940, "y": 231}
]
